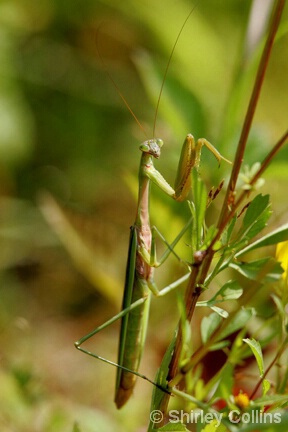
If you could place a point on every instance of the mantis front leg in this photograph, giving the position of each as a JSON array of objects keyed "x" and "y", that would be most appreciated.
[{"x": 189, "y": 158}]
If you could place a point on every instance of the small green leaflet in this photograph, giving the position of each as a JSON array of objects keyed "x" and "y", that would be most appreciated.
[
  {"x": 173, "y": 427},
  {"x": 256, "y": 216},
  {"x": 212, "y": 427},
  {"x": 267, "y": 269},
  {"x": 237, "y": 322},
  {"x": 257, "y": 351},
  {"x": 276, "y": 236},
  {"x": 271, "y": 400},
  {"x": 231, "y": 290},
  {"x": 209, "y": 325}
]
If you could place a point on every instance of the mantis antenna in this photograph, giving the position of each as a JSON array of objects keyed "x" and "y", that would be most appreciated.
[
  {"x": 115, "y": 84},
  {"x": 168, "y": 65},
  {"x": 163, "y": 80}
]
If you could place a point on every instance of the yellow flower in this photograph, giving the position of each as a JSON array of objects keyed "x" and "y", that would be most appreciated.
[
  {"x": 242, "y": 400},
  {"x": 282, "y": 256}
]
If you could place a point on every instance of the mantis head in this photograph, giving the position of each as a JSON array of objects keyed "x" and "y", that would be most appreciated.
[{"x": 152, "y": 147}]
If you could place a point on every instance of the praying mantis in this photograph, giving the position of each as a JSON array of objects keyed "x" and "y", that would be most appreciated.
[{"x": 141, "y": 261}]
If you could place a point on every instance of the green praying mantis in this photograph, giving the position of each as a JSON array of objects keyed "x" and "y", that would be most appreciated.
[
  {"x": 142, "y": 260},
  {"x": 139, "y": 281}
]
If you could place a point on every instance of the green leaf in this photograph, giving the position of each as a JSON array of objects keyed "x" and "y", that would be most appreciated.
[
  {"x": 270, "y": 400},
  {"x": 225, "y": 381},
  {"x": 228, "y": 232},
  {"x": 220, "y": 311},
  {"x": 209, "y": 325},
  {"x": 255, "y": 269},
  {"x": 279, "y": 304},
  {"x": 209, "y": 236},
  {"x": 173, "y": 427},
  {"x": 256, "y": 216},
  {"x": 214, "y": 426},
  {"x": 238, "y": 321},
  {"x": 266, "y": 386},
  {"x": 257, "y": 351},
  {"x": 230, "y": 291},
  {"x": 276, "y": 236},
  {"x": 219, "y": 345}
]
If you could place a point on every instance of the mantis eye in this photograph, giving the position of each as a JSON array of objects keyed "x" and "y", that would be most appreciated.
[
  {"x": 144, "y": 147},
  {"x": 160, "y": 142}
]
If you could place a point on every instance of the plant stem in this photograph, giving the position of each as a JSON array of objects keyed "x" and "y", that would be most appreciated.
[{"x": 251, "y": 110}]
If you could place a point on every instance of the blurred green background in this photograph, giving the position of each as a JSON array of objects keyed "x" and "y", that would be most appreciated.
[{"x": 66, "y": 133}]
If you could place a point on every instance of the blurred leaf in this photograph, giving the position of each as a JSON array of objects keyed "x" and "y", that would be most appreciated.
[
  {"x": 173, "y": 427},
  {"x": 214, "y": 426},
  {"x": 82, "y": 255},
  {"x": 266, "y": 386},
  {"x": 209, "y": 325},
  {"x": 256, "y": 217},
  {"x": 270, "y": 400},
  {"x": 237, "y": 322},
  {"x": 229, "y": 230},
  {"x": 210, "y": 234},
  {"x": 225, "y": 382},
  {"x": 221, "y": 312},
  {"x": 220, "y": 345},
  {"x": 278, "y": 235},
  {"x": 254, "y": 269},
  {"x": 230, "y": 291},
  {"x": 257, "y": 351}
]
